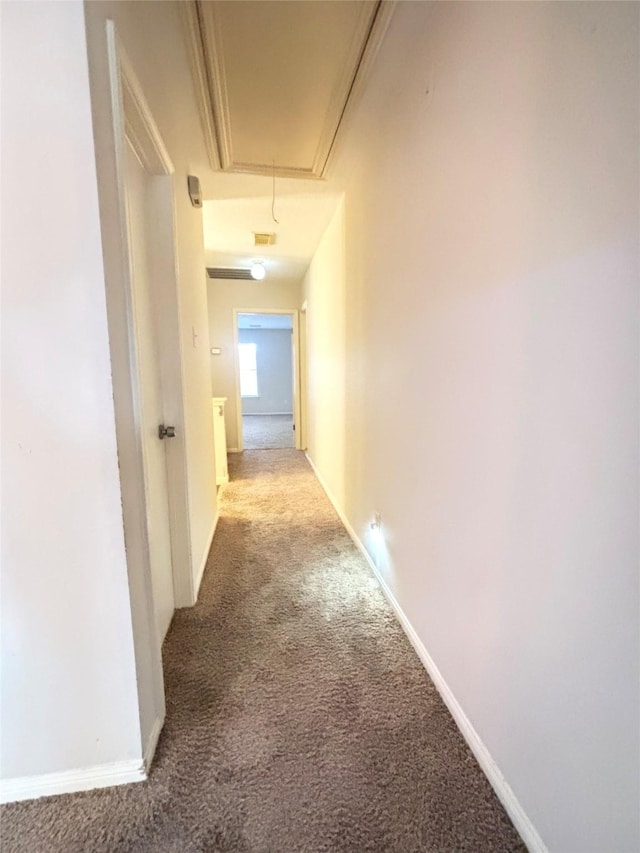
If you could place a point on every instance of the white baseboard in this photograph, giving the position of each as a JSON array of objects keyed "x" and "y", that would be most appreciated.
[
  {"x": 206, "y": 554},
  {"x": 71, "y": 781},
  {"x": 232, "y": 450},
  {"x": 152, "y": 743},
  {"x": 505, "y": 794}
]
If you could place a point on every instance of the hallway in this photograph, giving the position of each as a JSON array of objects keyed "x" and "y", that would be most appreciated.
[{"x": 298, "y": 717}]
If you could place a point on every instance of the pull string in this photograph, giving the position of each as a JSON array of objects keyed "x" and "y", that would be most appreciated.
[{"x": 273, "y": 196}]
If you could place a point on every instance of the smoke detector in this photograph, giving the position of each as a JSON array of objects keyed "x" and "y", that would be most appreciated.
[{"x": 264, "y": 238}]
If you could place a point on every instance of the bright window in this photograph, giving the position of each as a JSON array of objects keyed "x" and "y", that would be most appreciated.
[{"x": 248, "y": 370}]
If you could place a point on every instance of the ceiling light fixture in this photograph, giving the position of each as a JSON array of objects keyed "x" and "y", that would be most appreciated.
[{"x": 257, "y": 270}]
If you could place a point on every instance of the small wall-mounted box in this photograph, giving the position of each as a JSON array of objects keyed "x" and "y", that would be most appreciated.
[
  {"x": 216, "y": 350},
  {"x": 193, "y": 185}
]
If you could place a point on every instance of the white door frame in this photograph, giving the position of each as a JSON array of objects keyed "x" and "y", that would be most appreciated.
[
  {"x": 295, "y": 364},
  {"x": 132, "y": 123},
  {"x": 304, "y": 375}
]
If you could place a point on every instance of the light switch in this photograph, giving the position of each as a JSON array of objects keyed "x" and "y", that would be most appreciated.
[
  {"x": 194, "y": 332},
  {"x": 216, "y": 350}
]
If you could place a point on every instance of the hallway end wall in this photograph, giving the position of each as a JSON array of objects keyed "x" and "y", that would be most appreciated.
[
  {"x": 224, "y": 297},
  {"x": 274, "y": 368},
  {"x": 472, "y": 319}
]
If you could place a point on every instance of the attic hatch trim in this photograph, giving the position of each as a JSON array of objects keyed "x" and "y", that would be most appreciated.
[{"x": 206, "y": 54}]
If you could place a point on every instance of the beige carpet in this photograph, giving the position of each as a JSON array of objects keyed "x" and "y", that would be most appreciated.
[
  {"x": 262, "y": 432},
  {"x": 299, "y": 719}
]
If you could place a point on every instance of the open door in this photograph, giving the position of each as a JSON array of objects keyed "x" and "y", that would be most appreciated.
[
  {"x": 146, "y": 361},
  {"x": 155, "y": 434}
]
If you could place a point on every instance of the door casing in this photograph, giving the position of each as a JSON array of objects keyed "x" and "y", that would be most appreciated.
[
  {"x": 144, "y": 208},
  {"x": 295, "y": 361},
  {"x": 132, "y": 123}
]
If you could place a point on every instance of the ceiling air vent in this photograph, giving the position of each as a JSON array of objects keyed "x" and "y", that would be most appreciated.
[
  {"x": 264, "y": 238},
  {"x": 233, "y": 273}
]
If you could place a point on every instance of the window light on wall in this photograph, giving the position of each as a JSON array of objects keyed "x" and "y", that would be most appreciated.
[{"x": 248, "y": 370}]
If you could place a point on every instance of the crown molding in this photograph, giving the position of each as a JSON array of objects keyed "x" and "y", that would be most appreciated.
[
  {"x": 379, "y": 26},
  {"x": 340, "y": 96},
  {"x": 192, "y": 30}
]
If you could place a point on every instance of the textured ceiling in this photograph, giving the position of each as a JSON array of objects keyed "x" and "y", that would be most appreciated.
[{"x": 302, "y": 219}]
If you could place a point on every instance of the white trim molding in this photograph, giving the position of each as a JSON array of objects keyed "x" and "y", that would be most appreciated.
[
  {"x": 295, "y": 365},
  {"x": 203, "y": 564},
  {"x": 140, "y": 127},
  {"x": 71, "y": 781},
  {"x": 152, "y": 743},
  {"x": 192, "y": 27},
  {"x": 133, "y": 122},
  {"x": 505, "y": 794}
]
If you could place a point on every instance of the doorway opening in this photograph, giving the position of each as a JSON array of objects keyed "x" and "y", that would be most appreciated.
[{"x": 267, "y": 379}]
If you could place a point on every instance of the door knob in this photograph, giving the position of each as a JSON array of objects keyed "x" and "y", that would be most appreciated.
[{"x": 166, "y": 431}]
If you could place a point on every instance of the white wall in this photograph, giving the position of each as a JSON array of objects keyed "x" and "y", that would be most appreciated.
[
  {"x": 252, "y": 296},
  {"x": 152, "y": 36},
  {"x": 473, "y": 329},
  {"x": 69, "y": 696},
  {"x": 328, "y": 358},
  {"x": 274, "y": 367},
  {"x": 71, "y": 658}
]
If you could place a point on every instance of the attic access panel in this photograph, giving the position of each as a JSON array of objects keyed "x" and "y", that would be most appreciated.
[{"x": 275, "y": 79}]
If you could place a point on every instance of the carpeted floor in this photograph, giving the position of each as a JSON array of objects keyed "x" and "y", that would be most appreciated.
[
  {"x": 299, "y": 719},
  {"x": 262, "y": 432}
]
